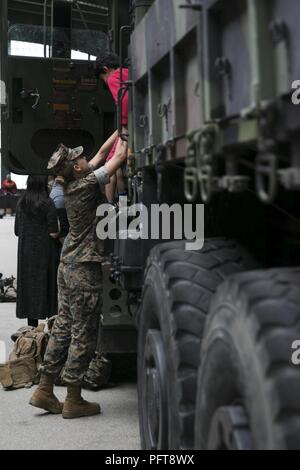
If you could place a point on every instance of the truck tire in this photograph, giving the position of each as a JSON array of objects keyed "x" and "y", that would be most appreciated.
[
  {"x": 178, "y": 288},
  {"x": 248, "y": 388}
]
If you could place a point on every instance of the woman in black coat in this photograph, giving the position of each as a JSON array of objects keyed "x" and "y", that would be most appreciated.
[{"x": 36, "y": 225}]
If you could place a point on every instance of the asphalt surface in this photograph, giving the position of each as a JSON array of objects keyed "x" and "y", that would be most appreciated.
[
  {"x": 8, "y": 247},
  {"x": 26, "y": 428}
]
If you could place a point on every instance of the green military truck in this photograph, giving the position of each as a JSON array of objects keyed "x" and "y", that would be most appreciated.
[{"x": 214, "y": 120}]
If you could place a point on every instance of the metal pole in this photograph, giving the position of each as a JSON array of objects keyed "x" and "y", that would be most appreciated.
[
  {"x": 81, "y": 15},
  {"x": 45, "y": 26},
  {"x": 94, "y": 6},
  {"x": 52, "y": 20},
  {"x": 123, "y": 85}
]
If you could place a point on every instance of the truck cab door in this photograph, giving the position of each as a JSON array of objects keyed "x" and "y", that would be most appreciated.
[{"x": 53, "y": 94}]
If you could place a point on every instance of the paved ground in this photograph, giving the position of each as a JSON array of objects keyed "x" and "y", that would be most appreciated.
[
  {"x": 8, "y": 247},
  {"x": 24, "y": 427}
]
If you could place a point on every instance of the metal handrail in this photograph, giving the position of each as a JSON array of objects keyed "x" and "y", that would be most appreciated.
[{"x": 124, "y": 86}]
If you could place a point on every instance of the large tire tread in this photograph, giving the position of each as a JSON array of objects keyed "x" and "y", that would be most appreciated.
[
  {"x": 271, "y": 300},
  {"x": 190, "y": 280}
]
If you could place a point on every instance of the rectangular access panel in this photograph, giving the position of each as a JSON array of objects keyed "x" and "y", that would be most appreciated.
[
  {"x": 166, "y": 55},
  {"x": 227, "y": 57},
  {"x": 250, "y": 55}
]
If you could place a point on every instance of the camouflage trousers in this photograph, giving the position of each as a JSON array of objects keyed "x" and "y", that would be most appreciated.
[{"x": 73, "y": 337}]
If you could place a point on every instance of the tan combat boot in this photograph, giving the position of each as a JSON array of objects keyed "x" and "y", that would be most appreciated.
[
  {"x": 44, "y": 397},
  {"x": 76, "y": 407}
]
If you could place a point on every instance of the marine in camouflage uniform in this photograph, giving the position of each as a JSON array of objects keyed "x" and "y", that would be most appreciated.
[
  {"x": 73, "y": 339},
  {"x": 74, "y": 334}
]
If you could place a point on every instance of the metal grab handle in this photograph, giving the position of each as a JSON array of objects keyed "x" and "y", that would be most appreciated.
[
  {"x": 124, "y": 86},
  {"x": 266, "y": 177},
  {"x": 190, "y": 172},
  {"x": 223, "y": 69},
  {"x": 192, "y": 6},
  {"x": 163, "y": 112},
  {"x": 205, "y": 176},
  {"x": 121, "y": 93},
  {"x": 143, "y": 121},
  {"x": 25, "y": 94}
]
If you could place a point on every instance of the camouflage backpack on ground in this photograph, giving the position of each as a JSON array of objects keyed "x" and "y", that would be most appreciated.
[
  {"x": 22, "y": 369},
  {"x": 96, "y": 377},
  {"x": 98, "y": 373}
]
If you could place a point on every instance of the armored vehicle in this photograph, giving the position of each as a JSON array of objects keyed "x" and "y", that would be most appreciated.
[{"x": 214, "y": 120}]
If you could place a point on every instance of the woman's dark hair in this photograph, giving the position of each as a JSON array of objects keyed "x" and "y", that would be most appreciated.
[
  {"x": 35, "y": 195},
  {"x": 108, "y": 59}
]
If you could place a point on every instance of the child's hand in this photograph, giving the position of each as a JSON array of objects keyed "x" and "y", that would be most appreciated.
[
  {"x": 121, "y": 150},
  {"x": 118, "y": 159}
]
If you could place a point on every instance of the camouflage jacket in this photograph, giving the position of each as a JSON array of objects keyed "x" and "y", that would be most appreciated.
[{"x": 82, "y": 197}]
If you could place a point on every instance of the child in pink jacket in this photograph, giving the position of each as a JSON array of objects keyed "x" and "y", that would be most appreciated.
[{"x": 107, "y": 68}]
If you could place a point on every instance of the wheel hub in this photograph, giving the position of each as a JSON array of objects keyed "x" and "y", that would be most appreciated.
[{"x": 155, "y": 396}]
